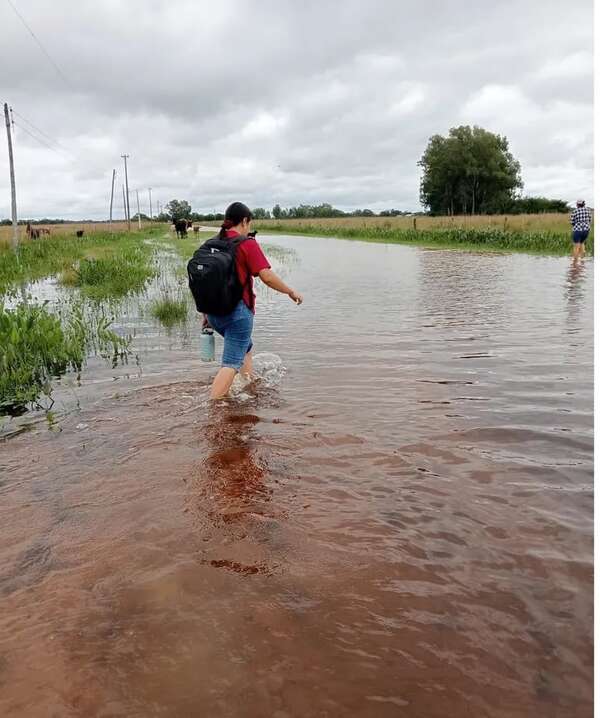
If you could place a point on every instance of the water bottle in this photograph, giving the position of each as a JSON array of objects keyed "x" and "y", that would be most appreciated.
[{"x": 207, "y": 345}]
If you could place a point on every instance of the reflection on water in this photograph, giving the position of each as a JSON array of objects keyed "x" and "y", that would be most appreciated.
[
  {"x": 575, "y": 293},
  {"x": 400, "y": 525},
  {"x": 230, "y": 490}
]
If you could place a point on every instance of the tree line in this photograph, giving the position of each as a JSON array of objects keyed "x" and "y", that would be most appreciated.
[
  {"x": 181, "y": 209},
  {"x": 178, "y": 209},
  {"x": 471, "y": 171}
]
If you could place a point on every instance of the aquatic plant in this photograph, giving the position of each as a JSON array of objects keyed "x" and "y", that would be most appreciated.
[
  {"x": 122, "y": 273},
  {"x": 169, "y": 311},
  {"x": 37, "y": 346},
  {"x": 36, "y": 259}
]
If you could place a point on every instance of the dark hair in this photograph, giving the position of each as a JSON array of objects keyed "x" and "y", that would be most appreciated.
[{"x": 234, "y": 214}]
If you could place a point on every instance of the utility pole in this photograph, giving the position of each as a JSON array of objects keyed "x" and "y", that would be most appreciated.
[
  {"x": 127, "y": 193},
  {"x": 137, "y": 196},
  {"x": 124, "y": 203},
  {"x": 13, "y": 192},
  {"x": 112, "y": 194},
  {"x": 150, "y": 197}
]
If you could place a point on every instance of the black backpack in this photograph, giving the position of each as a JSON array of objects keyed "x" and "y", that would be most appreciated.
[{"x": 213, "y": 276}]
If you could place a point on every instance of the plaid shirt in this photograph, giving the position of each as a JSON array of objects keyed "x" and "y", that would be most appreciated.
[{"x": 581, "y": 218}]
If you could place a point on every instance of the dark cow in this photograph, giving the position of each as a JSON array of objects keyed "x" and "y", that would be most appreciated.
[
  {"x": 182, "y": 226},
  {"x": 79, "y": 233}
]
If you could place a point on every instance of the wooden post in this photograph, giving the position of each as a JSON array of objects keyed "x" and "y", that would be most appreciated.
[
  {"x": 415, "y": 224},
  {"x": 112, "y": 194},
  {"x": 127, "y": 194},
  {"x": 137, "y": 195},
  {"x": 13, "y": 192}
]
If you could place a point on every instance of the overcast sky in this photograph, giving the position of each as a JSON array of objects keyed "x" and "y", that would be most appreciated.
[{"x": 289, "y": 102}]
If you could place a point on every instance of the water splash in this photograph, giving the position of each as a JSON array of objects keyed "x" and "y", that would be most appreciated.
[
  {"x": 269, "y": 368},
  {"x": 268, "y": 371}
]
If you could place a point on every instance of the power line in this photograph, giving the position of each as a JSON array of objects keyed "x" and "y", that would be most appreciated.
[
  {"x": 41, "y": 141},
  {"x": 42, "y": 48},
  {"x": 37, "y": 129}
]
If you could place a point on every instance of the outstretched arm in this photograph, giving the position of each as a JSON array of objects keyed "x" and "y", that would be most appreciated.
[{"x": 269, "y": 277}]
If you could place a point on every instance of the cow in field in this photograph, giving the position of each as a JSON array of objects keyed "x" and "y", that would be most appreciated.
[
  {"x": 182, "y": 226},
  {"x": 79, "y": 233},
  {"x": 32, "y": 232}
]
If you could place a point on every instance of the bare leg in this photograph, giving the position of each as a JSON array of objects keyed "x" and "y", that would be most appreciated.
[
  {"x": 222, "y": 382},
  {"x": 582, "y": 250},
  {"x": 246, "y": 369}
]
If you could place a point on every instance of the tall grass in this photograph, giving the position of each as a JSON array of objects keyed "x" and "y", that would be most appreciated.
[
  {"x": 547, "y": 221},
  {"x": 495, "y": 238},
  {"x": 51, "y": 255},
  {"x": 169, "y": 311},
  {"x": 69, "y": 230},
  {"x": 36, "y": 347},
  {"x": 123, "y": 273}
]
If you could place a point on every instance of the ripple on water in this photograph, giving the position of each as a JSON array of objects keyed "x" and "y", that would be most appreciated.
[{"x": 400, "y": 521}]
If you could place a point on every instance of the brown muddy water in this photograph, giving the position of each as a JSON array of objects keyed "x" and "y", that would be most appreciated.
[{"x": 399, "y": 525}]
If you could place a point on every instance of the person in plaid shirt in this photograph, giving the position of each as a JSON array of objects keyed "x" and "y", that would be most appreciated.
[{"x": 581, "y": 219}]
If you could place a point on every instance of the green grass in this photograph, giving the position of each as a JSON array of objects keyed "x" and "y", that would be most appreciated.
[
  {"x": 124, "y": 272},
  {"x": 186, "y": 247},
  {"x": 37, "y": 343},
  {"x": 61, "y": 253},
  {"x": 544, "y": 242},
  {"x": 169, "y": 311},
  {"x": 37, "y": 346}
]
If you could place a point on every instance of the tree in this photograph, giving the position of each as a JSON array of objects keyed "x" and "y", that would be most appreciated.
[
  {"x": 260, "y": 213},
  {"x": 178, "y": 209},
  {"x": 470, "y": 171},
  {"x": 535, "y": 205},
  {"x": 276, "y": 212},
  {"x": 363, "y": 213}
]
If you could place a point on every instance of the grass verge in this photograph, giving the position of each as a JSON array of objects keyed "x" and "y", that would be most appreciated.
[
  {"x": 126, "y": 271},
  {"x": 62, "y": 253},
  {"x": 536, "y": 242}
]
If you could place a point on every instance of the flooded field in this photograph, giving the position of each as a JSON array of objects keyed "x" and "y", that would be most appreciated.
[{"x": 397, "y": 524}]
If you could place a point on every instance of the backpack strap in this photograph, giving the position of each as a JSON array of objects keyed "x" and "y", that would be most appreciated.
[{"x": 237, "y": 241}]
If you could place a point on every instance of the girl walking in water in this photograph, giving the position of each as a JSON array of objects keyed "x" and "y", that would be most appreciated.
[{"x": 236, "y": 326}]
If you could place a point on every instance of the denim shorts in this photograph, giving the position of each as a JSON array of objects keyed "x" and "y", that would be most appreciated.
[
  {"x": 236, "y": 330},
  {"x": 580, "y": 235}
]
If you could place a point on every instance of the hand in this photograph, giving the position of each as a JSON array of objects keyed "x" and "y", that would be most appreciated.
[{"x": 295, "y": 297}]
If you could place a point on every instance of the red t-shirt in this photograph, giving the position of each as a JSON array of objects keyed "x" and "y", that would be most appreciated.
[{"x": 250, "y": 260}]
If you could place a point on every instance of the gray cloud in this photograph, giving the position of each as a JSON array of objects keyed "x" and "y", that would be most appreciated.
[{"x": 288, "y": 102}]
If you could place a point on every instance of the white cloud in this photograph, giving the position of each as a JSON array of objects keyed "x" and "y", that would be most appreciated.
[{"x": 577, "y": 64}]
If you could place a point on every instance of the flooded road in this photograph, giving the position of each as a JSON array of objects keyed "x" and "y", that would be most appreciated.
[{"x": 401, "y": 525}]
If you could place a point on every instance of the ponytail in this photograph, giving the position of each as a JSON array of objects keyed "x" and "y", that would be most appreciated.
[
  {"x": 227, "y": 224},
  {"x": 234, "y": 215}
]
